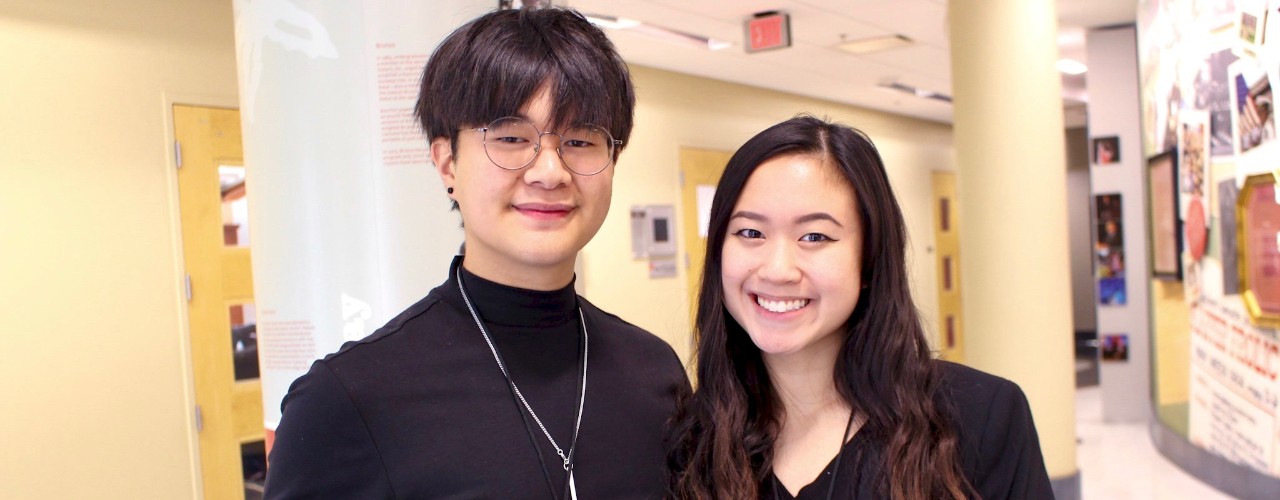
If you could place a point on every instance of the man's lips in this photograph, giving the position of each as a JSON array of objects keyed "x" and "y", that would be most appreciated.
[{"x": 544, "y": 210}]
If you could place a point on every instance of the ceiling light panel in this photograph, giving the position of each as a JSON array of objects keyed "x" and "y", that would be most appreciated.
[
  {"x": 658, "y": 13},
  {"x": 864, "y": 46},
  {"x": 1071, "y": 67}
]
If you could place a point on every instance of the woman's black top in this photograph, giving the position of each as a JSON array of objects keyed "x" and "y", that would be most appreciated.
[
  {"x": 999, "y": 448},
  {"x": 419, "y": 409}
]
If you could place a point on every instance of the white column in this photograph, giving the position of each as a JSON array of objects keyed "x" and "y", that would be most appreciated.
[
  {"x": 1113, "y": 111},
  {"x": 1012, "y": 193},
  {"x": 349, "y": 223}
]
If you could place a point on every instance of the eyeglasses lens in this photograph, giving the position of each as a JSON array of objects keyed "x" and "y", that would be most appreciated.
[{"x": 512, "y": 143}]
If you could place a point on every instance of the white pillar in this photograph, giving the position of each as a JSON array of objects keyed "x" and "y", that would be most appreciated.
[
  {"x": 1113, "y": 111},
  {"x": 1012, "y": 194},
  {"x": 348, "y": 220}
]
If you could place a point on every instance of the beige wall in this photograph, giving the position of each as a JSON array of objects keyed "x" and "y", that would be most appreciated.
[
  {"x": 677, "y": 110},
  {"x": 93, "y": 343}
]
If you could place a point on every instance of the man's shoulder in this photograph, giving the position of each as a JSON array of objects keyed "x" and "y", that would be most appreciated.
[
  {"x": 621, "y": 330},
  {"x": 636, "y": 343},
  {"x": 427, "y": 318}
]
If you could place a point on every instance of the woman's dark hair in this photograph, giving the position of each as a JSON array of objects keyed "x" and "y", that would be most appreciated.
[
  {"x": 493, "y": 65},
  {"x": 723, "y": 438}
]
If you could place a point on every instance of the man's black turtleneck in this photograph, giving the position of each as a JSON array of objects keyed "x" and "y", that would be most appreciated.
[{"x": 419, "y": 409}]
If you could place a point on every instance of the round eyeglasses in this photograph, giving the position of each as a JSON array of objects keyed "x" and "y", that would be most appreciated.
[{"x": 512, "y": 143}]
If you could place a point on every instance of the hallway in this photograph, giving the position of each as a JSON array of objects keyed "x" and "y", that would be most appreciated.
[{"x": 1119, "y": 461}]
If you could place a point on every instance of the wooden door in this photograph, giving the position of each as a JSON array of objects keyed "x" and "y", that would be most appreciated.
[
  {"x": 219, "y": 294},
  {"x": 700, "y": 171},
  {"x": 946, "y": 232}
]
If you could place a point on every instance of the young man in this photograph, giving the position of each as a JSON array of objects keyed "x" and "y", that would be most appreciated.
[{"x": 502, "y": 382}]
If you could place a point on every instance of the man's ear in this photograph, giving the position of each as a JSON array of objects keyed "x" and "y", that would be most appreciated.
[{"x": 442, "y": 157}]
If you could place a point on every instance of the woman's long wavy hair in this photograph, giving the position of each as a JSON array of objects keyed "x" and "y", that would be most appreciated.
[{"x": 724, "y": 435}]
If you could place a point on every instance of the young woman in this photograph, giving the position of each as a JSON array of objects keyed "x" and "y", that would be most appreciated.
[{"x": 815, "y": 379}]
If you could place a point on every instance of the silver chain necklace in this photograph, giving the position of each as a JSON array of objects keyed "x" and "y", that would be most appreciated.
[{"x": 582, "y": 396}]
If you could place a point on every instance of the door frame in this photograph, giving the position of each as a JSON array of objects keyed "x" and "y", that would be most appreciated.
[{"x": 183, "y": 328}]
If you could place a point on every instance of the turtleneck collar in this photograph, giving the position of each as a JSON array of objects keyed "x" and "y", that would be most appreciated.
[{"x": 500, "y": 304}]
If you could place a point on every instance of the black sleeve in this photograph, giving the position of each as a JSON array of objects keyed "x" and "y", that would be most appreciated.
[
  {"x": 323, "y": 448},
  {"x": 1011, "y": 465}
]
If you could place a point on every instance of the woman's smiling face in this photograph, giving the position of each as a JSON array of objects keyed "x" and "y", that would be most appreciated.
[{"x": 791, "y": 256}]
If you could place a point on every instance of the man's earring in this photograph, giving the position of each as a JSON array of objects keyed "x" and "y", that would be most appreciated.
[{"x": 450, "y": 190}]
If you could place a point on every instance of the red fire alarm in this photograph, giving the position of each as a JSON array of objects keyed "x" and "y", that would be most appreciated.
[{"x": 768, "y": 31}]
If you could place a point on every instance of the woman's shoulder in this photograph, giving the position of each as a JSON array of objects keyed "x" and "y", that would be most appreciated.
[
  {"x": 999, "y": 446},
  {"x": 970, "y": 383},
  {"x": 979, "y": 399}
]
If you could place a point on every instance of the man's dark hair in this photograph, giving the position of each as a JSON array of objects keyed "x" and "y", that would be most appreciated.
[{"x": 493, "y": 65}]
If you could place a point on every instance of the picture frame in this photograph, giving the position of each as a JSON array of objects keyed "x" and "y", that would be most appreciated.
[
  {"x": 1193, "y": 164},
  {"x": 1106, "y": 150},
  {"x": 1251, "y": 22},
  {"x": 1108, "y": 250},
  {"x": 1166, "y": 227},
  {"x": 1228, "y": 232},
  {"x": 1115, "y": 347},
  {"x": 1258, "y": 226},
  {"x": 1252, "y": 111}
]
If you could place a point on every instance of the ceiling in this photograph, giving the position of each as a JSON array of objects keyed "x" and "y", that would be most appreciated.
[{"x": 813, "y": 67}]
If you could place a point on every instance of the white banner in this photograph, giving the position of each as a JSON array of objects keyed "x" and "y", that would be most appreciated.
[
  {"x": 1234, "y": 391},
  {"x": 350, "y": 222}
]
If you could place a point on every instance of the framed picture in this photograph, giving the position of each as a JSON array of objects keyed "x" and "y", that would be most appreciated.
[
  {"x": 1115, "y": 347},
  {"x": 1258, "y": 225},
  {"x": 1228, "y": 193},
  {"x": 1252, "y": 111},
  {"x": 1166, "y": 245},
  {"x": 1106, "y": 150},
  {"x": 1193, "y": 164},
  {"x": 1251, "y": 26},
  {"x": 1108, "y": 250},
  {"x": 1212, "y": 94}
]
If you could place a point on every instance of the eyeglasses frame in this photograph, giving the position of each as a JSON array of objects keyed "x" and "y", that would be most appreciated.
[{"x": 537, "y": 147}]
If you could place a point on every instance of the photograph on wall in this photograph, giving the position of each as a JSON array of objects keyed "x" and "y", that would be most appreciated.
[
  {"x": 1212, "y": 95},
  {"x": 1106, "y": 150},
  {"x": 1161, "y": 97},
  {"x": 1193, "y": 165},
  {"x": 1252, "y": 112},
  {"x": 1165, "y": 228},
  {"x": 1259, "y": 218},
  {"x": 1227, "y": 193},
  {"x": 1115, "y": 347},
  {"x": 1251, "y": 24},
  {"x": 1109, "y": 250}
]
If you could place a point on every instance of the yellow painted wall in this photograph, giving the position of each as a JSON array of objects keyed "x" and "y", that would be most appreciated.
[
  {"x": 1172, "y": 318},
  {"x": 93, "y": 361},
  {"x": 677, "y": 110}
]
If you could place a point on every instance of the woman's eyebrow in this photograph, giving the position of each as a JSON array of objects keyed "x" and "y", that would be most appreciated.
[
  {"x": 817, "y": 216},
  {"x": 749, "y": 215}
]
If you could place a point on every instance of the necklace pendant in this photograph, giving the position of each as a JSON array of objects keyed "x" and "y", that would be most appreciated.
[{"x": 573, "y": 488}]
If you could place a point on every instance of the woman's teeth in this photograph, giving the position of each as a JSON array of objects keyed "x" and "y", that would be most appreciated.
[{"x": 781, "y": 306}]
